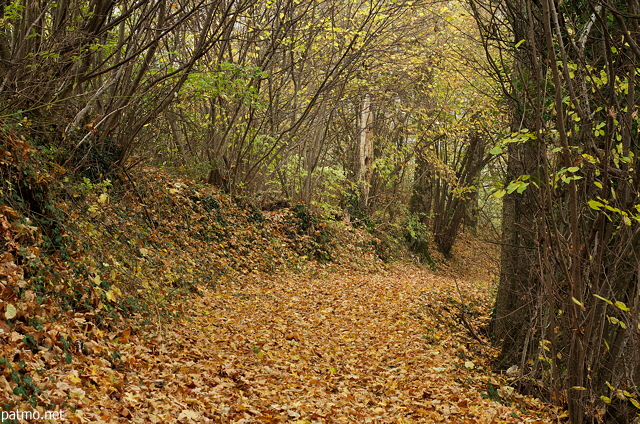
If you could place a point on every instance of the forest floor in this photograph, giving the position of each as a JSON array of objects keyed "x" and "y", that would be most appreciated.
[
  {"x": 384, "y": 347},
  {"x": 190, "y": 307}
]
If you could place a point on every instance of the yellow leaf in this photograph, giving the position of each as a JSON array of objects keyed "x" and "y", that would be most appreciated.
[
  {"x": 74, "y": 378},
  {"x": 577, "y": 302},
  {"x": 111, "y": 297},
  {"x": 469, "y": 365},
  {"x": 10, "y": 311},
  {"x": 130, "y": 397},
  {"x": 103, "y": 198},
  {"x": 622, "y": 306}
]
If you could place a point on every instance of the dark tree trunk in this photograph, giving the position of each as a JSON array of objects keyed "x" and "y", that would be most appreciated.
[
  {"x": 420, "y": 205},
  {"x": 452, "y": 201},
  {"x": 511, "y": 324}
]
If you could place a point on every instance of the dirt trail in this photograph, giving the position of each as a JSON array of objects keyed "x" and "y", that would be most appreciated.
[{"x": 335, "y": 348}]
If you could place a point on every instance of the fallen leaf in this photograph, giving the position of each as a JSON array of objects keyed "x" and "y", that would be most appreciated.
[{"x": 10, "y": 311}]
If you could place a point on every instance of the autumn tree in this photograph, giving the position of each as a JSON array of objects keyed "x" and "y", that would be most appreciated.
[
  {"x": 567, "y": 303},
  {"x": 91, "y": 75},
  {"x": 340, "y": 105},
  {"x": 459, "y": 127}
]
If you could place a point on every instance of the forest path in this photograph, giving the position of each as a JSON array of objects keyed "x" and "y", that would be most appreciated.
[{"x": 334, "y": 348}]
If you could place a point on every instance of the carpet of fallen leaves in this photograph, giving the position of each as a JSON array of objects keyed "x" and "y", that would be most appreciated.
[
  {"x": 351, "y": 347},
  {"x": 176, "y": 304}
]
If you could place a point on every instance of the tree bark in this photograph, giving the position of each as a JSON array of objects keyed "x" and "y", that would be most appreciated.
[{"x": 364, "y": 151}]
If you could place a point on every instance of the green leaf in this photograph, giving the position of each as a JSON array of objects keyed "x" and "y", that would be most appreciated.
[
  {"x": 602, "y": 298},
  {"x": 577, "y": 302},
  {"x": 612, "y": 209},
  {"x": 594, "y": 204},
  {"x": 573, "y": 169},
  {"x": 496, "y": 150},
  {"x": 622, "y": 306},
  {"x": 513, "y": 185},
  {"x": 522, "y": 188},
  {"x": 605, "y": 399},
  {"x": 499, "y": 194}
]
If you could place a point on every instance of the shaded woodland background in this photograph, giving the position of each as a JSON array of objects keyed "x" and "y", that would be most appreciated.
[{"x": 411, "y": 119}]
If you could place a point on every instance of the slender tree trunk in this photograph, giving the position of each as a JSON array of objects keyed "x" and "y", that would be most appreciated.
[
  {"x": 364, "y": 151},
  {"x": 514, "y": 309}
]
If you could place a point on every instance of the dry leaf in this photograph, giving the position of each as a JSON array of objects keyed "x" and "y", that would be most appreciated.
[{"x": 10, "y": 311}]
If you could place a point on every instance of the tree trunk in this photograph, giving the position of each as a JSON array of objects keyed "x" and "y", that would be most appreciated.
[
  {"x": 364, "y": 151},
  {"x": 514, "y": 310}
]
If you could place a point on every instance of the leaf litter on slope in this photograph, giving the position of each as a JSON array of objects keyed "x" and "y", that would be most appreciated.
[{"x": 345, "y": 346}]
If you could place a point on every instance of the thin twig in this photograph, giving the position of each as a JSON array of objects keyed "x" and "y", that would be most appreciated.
[{"x": 463, "y": 315}]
